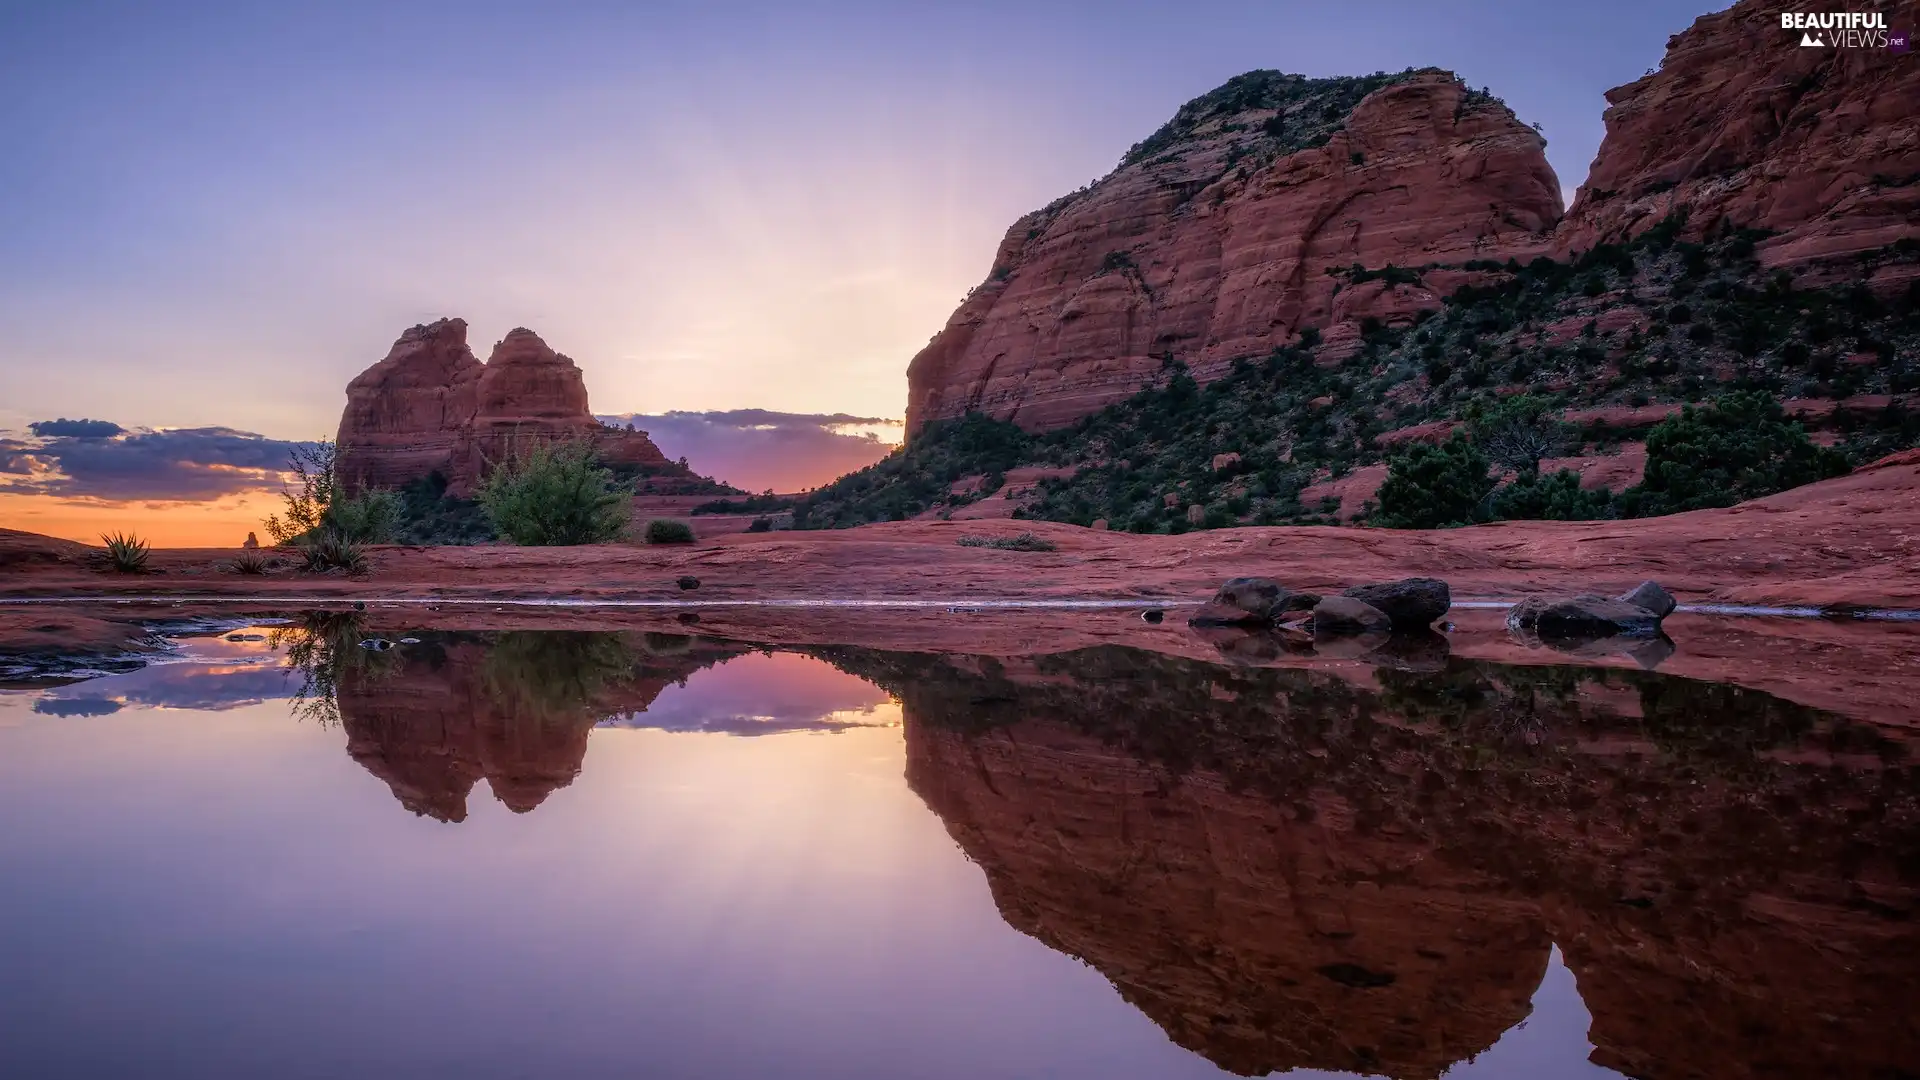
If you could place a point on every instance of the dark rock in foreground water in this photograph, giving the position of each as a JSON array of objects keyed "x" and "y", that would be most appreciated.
[
  {"x": 1636, "y": 614},
  {"x": 1649, "y": 595},
  {"x": 1412, "y": 603},
  {"x": 1242, "y": 601},
  {"x": 1346, "y": 615}
]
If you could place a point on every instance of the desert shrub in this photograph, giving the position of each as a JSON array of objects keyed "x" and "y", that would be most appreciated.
[
  {"x": 760, "y": 524},
  {"x": 1023, "y": 542},
  {"x": 554, "y": 494},
  {"x": 1740, "y": 447},
  {"x": 329, "y": 550},
  {"x": 371, "y": 517},
  {"x": 431, "y": 516},
  {"x": 1435, "y": 487},
  {"x": 250, "y": 562},
  {"x": 126, "y": 553},
  {"x": 1556, "y": 496},
  {"x": 664, "y": 531}
]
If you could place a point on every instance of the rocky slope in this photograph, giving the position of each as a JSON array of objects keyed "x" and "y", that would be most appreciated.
[
  {"x": 432, "y": 407},
  {"x": 1214, "y": 239}
]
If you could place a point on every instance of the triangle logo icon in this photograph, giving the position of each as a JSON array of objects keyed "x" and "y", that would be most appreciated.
[{"x": 1808, "y": 40}]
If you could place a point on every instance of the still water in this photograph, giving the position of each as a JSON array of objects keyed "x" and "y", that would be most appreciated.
[{"x": 553, "y": 854}]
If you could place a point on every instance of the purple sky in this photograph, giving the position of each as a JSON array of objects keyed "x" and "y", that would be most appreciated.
[{"x": 214, "y": 215}]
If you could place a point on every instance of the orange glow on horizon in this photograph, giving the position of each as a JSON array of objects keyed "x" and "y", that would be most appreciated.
[{"x": 222, "y": 523}]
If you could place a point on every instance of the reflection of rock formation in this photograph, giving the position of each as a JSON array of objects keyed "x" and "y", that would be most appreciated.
[
  {"x": 1249, "y": 854},
  {"x": 513, "y": 709}
]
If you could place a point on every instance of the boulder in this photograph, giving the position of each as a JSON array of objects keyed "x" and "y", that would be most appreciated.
[
  {"x": 1412, "y": 603},
  {"x": 1243, "y": 601},
  {"x": 1345, "y": 615},
  {"x": 1591, "y": 617},
  {"x": 1649, "y": 595},
  {"x": 687, "y": 582}
]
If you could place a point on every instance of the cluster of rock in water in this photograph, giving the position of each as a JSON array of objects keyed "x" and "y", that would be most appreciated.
[{"x": 1372, "y": 613}]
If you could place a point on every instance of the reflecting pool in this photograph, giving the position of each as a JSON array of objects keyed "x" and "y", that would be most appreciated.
[{"x": 300, "y": 850}]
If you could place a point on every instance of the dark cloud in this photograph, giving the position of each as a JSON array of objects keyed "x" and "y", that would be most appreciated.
[
  {"x": 64, "y": 428},
  {"x": 758, "y": 449},
  {"x": 78, "y": 706},
  {"x": 183, "y": 464}
]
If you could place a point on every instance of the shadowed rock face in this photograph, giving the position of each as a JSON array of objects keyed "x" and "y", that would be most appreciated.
[
  {"x": 1288, "y": 868},
  {"x": 1209, "y": 253},
  {"x": 430, "y": 406},
  {"x": 513, "y": 709}
]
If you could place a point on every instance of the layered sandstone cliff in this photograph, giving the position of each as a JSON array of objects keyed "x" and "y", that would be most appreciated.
[
  {"x": 431, "y": 407},
  {"x": 1218, "y": 245},
  {"x": 1743, "y": 126},
  {"x": 1217, "y": 242}
]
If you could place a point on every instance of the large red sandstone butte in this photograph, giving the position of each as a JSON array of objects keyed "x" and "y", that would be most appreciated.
[
  {"x": 1207, "y": 253},
  {"x": 1742, "y": 125},
  {"x": 1191, "y": 255},
  {"x": 431, "y": 406}
]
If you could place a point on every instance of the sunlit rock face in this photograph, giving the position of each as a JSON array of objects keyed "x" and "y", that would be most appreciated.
[
  {"x": 1364, "y": 871},
  {"x": 431, "y": 407}
]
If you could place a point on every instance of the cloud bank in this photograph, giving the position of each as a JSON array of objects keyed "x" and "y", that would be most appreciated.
[
  {"x": 757, "y": 449},
  {"x": 98, "y": 459}
]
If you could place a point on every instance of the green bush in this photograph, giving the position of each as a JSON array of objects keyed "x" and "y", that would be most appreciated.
[
  {"x": 372, "y": 517},
  {"x": 663, "y": 531},
  {"x": 126, "y": 553},
  {"x": 1435, "y": 487},
  {"x": 760, "y": 525},
  {"x": 1536, "y": 496},
  {"x": 1740, "y": 447},
  {"x": 1517, "y": 431},
  {"x": 251, "y": 563},
  {"x": 553, "y": 494}
]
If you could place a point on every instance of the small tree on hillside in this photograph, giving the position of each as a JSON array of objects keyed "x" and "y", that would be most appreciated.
[
  {"x": 1517, "y": 432},
  {"x": 1740, "y": 447},
  {"x": 550, "y": 494},
  {"x": 1435, "y": 487}
]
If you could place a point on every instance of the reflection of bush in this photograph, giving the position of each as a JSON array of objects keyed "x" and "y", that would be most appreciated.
[
  {"x": 550, "y": 675},
  {"x": 325, "y": 647}
]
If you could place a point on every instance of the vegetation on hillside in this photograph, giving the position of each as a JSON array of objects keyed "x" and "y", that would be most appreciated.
[
  {"x": 1295, "y": 113},
  {"x": 1504, "y": 359}
]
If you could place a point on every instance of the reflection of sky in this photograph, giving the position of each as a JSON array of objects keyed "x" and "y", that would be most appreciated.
[
  {"x": 758, "y": 694},
  {"x": 208, "y": 673},
  {"x": 216, "y": 894}
]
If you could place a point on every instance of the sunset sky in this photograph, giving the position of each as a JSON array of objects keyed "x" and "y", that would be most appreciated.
[{"x": 213, "y": 215}]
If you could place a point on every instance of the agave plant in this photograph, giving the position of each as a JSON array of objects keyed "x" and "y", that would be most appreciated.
[
  {"x": 330, "y": 551},
  {"x": 250, "y": 562},
  {"x": 126, "y": 553}
]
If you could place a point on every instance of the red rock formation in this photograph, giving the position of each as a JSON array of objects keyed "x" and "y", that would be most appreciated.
[
  {"x": 1743, "y": 126},
  {"x": 1208, "y": 256},
  {"x": 411, "y": 413},
  {"x": 430, "y": 406},
  {"x": 1210, "y": 252}
]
